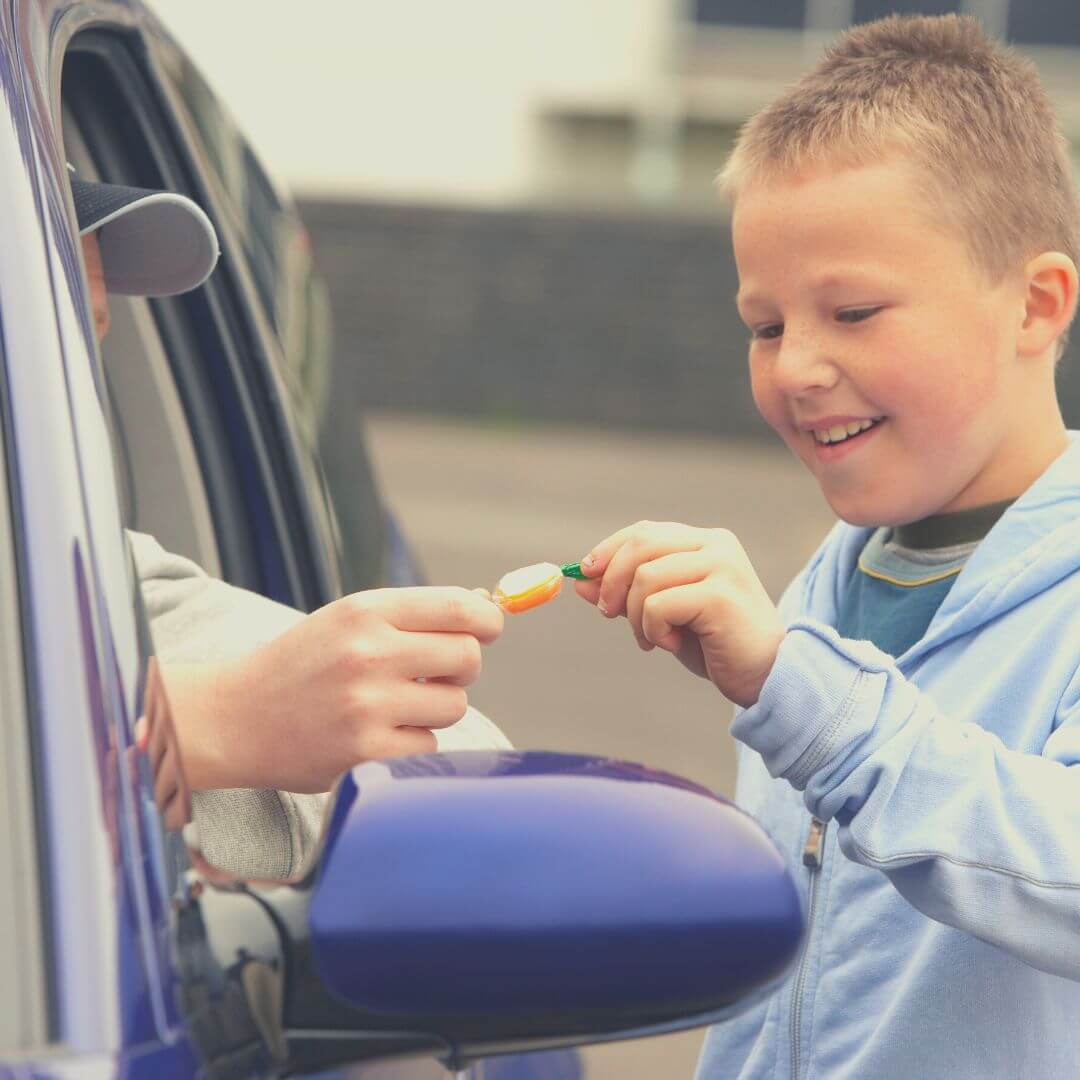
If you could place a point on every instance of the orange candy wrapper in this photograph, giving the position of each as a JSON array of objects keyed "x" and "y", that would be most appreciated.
[{"x": 521, "y": 590}]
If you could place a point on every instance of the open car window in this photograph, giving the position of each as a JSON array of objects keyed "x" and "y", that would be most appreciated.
[
  {"x": 196, "y": 467},
  {"x": 174, "y": 468},
  {"x": 158, "y": 471}
]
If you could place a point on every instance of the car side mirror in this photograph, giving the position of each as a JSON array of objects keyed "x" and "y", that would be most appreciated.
[
  {"x": 495, "y": 901},
  {"x": 474, "y": 903}
]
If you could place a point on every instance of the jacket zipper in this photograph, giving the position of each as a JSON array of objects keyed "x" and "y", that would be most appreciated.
[{"x": 812, "y": 856}]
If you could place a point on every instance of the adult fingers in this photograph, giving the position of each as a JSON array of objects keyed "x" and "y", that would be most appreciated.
[
  {"x": 414, "y": 740},
  {"x": 452, "y": 658},
  {"x": 446, "y": 608},
  {"x": 426, "y": 704},
  {"x": 399, "y": 741}
]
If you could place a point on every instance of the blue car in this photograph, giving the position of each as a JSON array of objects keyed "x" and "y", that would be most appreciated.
[{"x": 464, "y": 910}]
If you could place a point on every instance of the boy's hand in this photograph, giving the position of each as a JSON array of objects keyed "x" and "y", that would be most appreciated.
[
  {"x": 339, "y": 688},
  {"x": 694, "y": 593}
]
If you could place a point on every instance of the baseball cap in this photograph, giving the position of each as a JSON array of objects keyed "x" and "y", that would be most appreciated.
[{"x": 153, "y": 243}]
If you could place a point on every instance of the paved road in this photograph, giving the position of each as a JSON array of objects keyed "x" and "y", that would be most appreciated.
[{"x": 480, "y": 500}]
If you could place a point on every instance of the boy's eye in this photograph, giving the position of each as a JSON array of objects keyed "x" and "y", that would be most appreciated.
[
  {"x": 855, "y": 315},
  {"x": 766, "y": 332}
]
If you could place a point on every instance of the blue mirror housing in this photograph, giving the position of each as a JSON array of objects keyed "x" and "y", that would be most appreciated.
[{"x": 490, "y": 895}]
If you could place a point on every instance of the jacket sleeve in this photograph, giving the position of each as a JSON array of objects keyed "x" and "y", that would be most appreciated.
[
  {"x": 195, "y": 618},
  {"x": 972, "y": 833}
]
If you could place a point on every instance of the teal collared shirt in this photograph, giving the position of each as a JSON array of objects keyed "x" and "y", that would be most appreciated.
[{"x": 904, "y": 574}]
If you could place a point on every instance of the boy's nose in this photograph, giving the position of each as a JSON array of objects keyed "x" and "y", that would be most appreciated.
[{"x": 802, "y": 365}]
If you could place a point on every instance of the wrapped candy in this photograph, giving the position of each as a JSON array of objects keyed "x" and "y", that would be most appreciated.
[{"x": 531, "y": 586}]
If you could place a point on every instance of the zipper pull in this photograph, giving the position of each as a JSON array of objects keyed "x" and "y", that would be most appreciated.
[{"x": 811, "y": 852}]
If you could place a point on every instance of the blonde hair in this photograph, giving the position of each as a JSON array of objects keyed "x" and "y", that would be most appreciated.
[{"x": 970, "y": 114}]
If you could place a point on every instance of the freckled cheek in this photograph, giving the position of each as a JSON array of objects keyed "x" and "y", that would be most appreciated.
[
  {"x": 769, "y": 402},
  {"x": 773, "y": 407}
]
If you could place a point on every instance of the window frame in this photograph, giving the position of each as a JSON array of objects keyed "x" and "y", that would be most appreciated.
[
  {"x": 217, "y": 357},
  {"x": 28, "y": 1017}
]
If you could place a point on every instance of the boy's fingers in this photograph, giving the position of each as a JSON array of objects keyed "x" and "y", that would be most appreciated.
[
  {"x": 671, "y": 641},
  {"x": 661, "y": 574},
  {"x": 664, "y": 614},
  {"x": 595, "y": 564},
  {"x": 588, "y": 590},
  {"x": 651, "y": 542}
]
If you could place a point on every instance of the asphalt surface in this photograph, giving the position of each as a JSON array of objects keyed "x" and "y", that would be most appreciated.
[{"x": 478, "y": 501}]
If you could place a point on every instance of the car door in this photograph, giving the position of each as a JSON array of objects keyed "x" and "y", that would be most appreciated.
[
  {"x": 95, "y": 880},
  {"x": 201, "y": 387},
  {"x": 90, "y": 918},
  {"x": 110, "y": 867}
]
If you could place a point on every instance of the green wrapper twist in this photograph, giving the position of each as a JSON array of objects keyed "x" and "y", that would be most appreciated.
[{"x": 573, "y": 570}]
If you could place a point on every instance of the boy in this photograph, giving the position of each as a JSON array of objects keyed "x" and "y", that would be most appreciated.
[{"x": 905, "y": 232}]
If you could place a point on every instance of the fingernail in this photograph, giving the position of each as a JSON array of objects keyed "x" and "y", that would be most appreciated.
[
  {"x": 602, "y": 606},
  {"x": 588, "y": 562}
]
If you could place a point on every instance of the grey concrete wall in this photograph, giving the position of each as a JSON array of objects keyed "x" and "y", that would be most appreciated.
[{"x": 610, "y": 320}]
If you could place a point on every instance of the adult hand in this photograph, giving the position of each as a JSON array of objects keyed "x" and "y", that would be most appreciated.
[
  {"x": 341, "y": 687},
  {"x": 694, "y": 593}
]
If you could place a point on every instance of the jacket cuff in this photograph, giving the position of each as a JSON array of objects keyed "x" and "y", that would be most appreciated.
[{"x": 814, "y": 691}]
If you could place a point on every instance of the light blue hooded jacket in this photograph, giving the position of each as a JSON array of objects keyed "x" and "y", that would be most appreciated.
[{"x": 944, "y": 919}]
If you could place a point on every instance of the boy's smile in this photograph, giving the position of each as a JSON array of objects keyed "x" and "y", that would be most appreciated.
[{"x": 881, "y": 354}]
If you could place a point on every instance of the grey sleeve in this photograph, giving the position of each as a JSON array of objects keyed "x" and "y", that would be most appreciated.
[{"x": 196, "y": 618}]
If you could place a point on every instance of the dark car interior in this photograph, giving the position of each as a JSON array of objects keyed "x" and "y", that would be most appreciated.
[
  {"x": 159, "y": 475},
  {"x": 198, "y": 434}
]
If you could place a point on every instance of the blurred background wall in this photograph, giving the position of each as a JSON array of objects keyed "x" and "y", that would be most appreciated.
[
  {"x": 531, "y": 284},
  {"x": 513, "y": 204}
]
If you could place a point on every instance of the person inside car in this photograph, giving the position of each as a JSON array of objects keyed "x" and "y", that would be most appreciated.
[{"x": 271, "y": 705}]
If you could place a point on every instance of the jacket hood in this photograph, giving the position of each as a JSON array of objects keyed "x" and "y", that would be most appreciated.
[{"x": 1034, "y": 544}]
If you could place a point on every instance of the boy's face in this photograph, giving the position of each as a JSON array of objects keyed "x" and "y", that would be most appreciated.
[{"x": 861, "y": 310}]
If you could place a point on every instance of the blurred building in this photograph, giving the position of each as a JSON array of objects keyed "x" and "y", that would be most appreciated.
[
  {"x": 501, "y": 191},
  {"x": 589, "y": 102}
]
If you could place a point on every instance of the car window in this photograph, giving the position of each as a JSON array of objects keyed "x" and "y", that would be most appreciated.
[
  {"x": 199, "y": 467},
  {"x": 23, "y": 1011},
  {"x": 295, "y": 302},
  {"x": 275, "y": 243},
  {"x": 153, "y": 447}
]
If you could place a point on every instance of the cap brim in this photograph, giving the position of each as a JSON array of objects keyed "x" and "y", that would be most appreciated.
[{"x": 157, "y": 243}]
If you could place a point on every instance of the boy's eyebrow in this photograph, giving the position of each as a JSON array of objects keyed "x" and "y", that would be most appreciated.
[
  {"x": 856, "y": 278},
  {"x": 748, "y": 299}
]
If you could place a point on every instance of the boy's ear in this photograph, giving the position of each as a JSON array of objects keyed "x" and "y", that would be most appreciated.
[{"x": 1050, "y": 288}]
